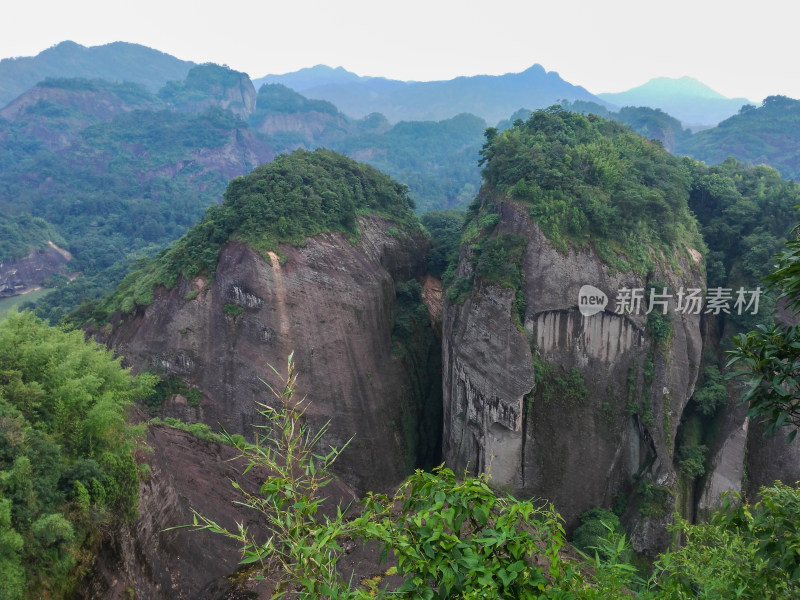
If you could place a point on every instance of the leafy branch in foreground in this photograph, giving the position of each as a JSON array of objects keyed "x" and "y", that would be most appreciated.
[
  {"x": 457, "y": 539},
  {"x": 302, "y": 551},
  {"x": 768, "y": 358}
]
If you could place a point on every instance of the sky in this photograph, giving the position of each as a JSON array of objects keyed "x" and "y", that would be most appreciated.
[{"x": 740, "y": 49}]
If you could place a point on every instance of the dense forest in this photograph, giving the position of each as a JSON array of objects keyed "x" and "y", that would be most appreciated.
[
  {"x": 145, "y": 186},
  {"x": 66, "y": 464}
]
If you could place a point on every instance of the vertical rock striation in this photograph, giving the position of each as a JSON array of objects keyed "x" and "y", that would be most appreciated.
[
  {"x": 332, "y": 303},
  {"x": 509, "y": 409}
]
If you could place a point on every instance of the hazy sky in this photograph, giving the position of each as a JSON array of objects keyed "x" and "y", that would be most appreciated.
[{"x": 739, "y": 49}]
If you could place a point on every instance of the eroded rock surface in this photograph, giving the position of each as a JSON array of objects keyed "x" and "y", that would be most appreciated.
[
  {"x": 147, "y": 559},
  {"x": 603, "y": 409},
  {"x": 22, "y": 275},
  {"x": 332, "y": 303}
]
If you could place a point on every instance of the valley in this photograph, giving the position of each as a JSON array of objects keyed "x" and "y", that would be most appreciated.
[{"x": 422, "y": 270}]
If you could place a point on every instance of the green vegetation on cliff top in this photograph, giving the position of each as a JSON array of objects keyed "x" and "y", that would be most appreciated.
[
  {"x": 296, "y": 196},
  {"x": 586, "y": 180}
]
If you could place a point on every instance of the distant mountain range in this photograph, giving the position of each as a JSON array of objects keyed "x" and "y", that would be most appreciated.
[
  {"x": 690, "y": 101},
  {"x": 119, "y": 61},
  {"x": 491, "y": 97}
]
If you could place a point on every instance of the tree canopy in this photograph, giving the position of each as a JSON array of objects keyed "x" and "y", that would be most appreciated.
[
  {"x": 294, "y": 197},
  {"x": 66, "y": 467}
]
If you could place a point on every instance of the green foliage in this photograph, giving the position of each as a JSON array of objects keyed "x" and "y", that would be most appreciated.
[
  {"x": 232, "y": 310},
  {"x": 500, "y": 259},
  {"x": 586, "y": 178},
  {"x": 198, "y": 430},
  {"x": 766, "y": 359},
  {"x": 560, "y": 385},
  {"x": 444, "y": 227},
  {"x": 712, "y": 393},
  {"x": 457, "y": 539},
  {"x": 745, "y": 215},
  {"x": 12, "y": 583},
  {"x": 743, "y": 552},
  {"x": 165, "y": 387},
  {"x": 659, "y": 325},
  {"x": 654, "y": 500},
  {"x": 21, "y": 234},
  {"x": 596, "y": 524},
  {"x": 691, "y": 460},
  {"x": 459, "y": 290},
  {"x": 288, "y": 200},
  {"x": 66, "y": 468},
  {"x": 764, "y": 135}
]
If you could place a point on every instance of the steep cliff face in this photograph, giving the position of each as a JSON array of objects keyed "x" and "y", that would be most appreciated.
[
  {"x": 552, "y": 399},
  {"x": 212, "y": 85},
  {"x": 546, "y": 409},
  {"x": 332, "y": 303},
  {"x": 146, "y": 559}
]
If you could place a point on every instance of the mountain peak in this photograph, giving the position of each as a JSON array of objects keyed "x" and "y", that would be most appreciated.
[{"x": 681, "y": 86}]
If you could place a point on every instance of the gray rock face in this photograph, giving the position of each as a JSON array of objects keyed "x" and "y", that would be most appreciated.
[
  {"x": 25, "y": 274},
  {"x": 147, "y": 559},
  {"x": 331, "y": 303},
  {"x": 727, "y": 459},
  {"x": 538, "y": 433},
  {"x": 770, "y": 459}
]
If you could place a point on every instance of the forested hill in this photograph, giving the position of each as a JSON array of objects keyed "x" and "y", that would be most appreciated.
[
  {"x": 118, "y": 171},
  {"x": 768, "y": 134},
  {"x": 119, "y": 61},
  {"x": 294, "y": 197}
]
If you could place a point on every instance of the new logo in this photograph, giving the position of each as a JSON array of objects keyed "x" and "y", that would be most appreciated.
[{"x": 591, "y": 300}]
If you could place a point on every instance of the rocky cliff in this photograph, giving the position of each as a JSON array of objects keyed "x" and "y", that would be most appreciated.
[
  {"x": 569, "y": 407},
  {"x": 212, "y": 85},
  {"x": 149, "y": 559},
  {"x": 330, "y": 300},
  {"x": 331, "y": 303},
  {"x": 21, "y": 275},
  {"x": 551, "y": 399}
]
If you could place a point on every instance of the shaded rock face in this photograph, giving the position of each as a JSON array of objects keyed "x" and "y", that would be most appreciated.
[
  {"x": 144, "y": 560},
  {"x": 770, "y": 459},
  {"x": 564, "y": 431},
  {"x": 25, "y": 274},
  {"x": 237, "y": 157},
  {"x": 239, "y": 96},
  {"x": 742, "y": 460},
  {"x": 314, "y": 127},
  {"x": 727, "y": 460},
  {"x": 332, "y": 304}
]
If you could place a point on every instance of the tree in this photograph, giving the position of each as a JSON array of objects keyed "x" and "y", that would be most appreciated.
[{"x": 769, "y": 357}]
